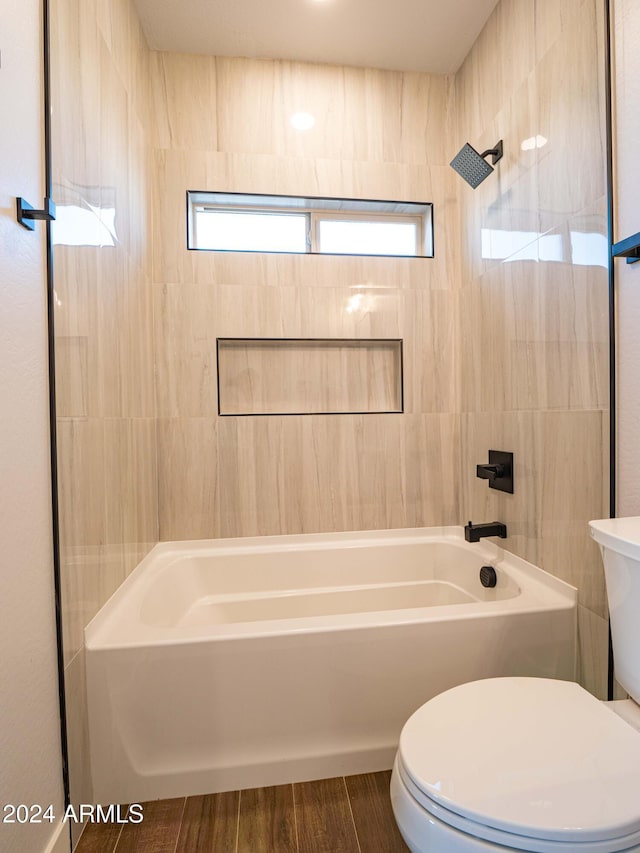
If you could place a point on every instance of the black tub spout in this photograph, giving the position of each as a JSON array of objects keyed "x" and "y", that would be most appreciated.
[{"x": 475, "y": 532}]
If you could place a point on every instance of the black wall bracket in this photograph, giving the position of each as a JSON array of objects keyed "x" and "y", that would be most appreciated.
[
  {"x": 496, "y": 153},
  {"x": 27, "y": 214},
  {"x": 499, "y": 471},
  {"x": 628, "y": 248}
]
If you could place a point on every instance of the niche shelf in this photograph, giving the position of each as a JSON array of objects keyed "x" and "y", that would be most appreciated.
[{"x": 309, "y": 376}]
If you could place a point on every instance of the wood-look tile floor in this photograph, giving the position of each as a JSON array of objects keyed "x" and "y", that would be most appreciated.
[{"x": 350, "y": 814}]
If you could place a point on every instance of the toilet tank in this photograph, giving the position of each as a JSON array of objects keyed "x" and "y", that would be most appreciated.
[{"x": 619, "y": 540}]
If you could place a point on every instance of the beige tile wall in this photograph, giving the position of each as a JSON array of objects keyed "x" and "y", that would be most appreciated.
[
  {"x": 534, "y": 365},
  {"x": 104, "y": 328},
  {"x": 223, "y": 124}
]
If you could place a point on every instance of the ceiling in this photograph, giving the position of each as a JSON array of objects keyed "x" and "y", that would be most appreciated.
[{"x": 408, "y": 35}]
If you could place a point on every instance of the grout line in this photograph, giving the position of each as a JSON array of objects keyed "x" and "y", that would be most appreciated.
[
  {"x": 353, "y": 820},
  {"x": 184, "y": 807},
  {"x": 238, "y": 823},
  {"x": 295, "y": 817},
  {"x": 120, "y": 833},
  {"x": 118, "y": 839}
]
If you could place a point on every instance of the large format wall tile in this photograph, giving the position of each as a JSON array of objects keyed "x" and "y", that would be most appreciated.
[
  {"x": 571, "y": 496},
  {"x": 431, "y": 351},
  {"x": 433, "y": 470},
  {"x": 570, "y": 89},
  {"x": 311, "y": 474},
  {"x": 361, "y": 114},
  {"x": 184, "y": 111},
  {"x": 552, "y": 20},
  {"x": 534, "y": 372},
  {"x": 188, "y": 483},
  {"x": 501, "y": 59}
]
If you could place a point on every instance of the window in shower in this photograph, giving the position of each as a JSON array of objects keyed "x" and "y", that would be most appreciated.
[{"x": 245, "y": 222}]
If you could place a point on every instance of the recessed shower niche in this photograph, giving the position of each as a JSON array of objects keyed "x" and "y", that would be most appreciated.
[{"x": 286, "y": 376}]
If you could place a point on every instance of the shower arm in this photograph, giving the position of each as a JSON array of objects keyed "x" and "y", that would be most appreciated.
[{"x": 496, "y": 153}]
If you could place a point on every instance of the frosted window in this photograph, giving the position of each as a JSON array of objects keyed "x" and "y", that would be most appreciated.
[
  {"x": 237, "y": 231},
  {"x": 249, "y": 222},
  {"x": 344, "y": 237}
]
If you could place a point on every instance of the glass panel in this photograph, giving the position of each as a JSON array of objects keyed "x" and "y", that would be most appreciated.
[
  {"x": 345, "y": 237},
  {"x": 84, "y": 226},
  {"x": 589, "y": 249},
  {"x": 251, "y": 231},
  {"x": 504, "y": 245}
]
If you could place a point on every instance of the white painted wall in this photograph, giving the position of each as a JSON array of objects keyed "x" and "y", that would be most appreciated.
[
  {"x": 30, "y": 757},
  {"x": 626, "y": 28}
]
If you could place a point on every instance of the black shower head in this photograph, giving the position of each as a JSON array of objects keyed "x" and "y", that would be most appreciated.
[{"x": 472, "y": 166}]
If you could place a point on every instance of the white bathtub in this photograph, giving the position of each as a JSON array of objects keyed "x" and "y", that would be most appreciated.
[{"x": 238, "y": 663}]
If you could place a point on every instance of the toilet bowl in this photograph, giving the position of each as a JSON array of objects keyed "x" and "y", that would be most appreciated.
[
  {"x": 528, "y": 763},
  {"x": 517, "y": 763}
]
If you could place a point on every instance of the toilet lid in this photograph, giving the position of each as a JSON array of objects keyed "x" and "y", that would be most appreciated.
[{"x": 530, "y": 756}]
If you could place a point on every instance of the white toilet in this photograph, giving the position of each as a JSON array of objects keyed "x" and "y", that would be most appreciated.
[{"x": 532, "y": 763}]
